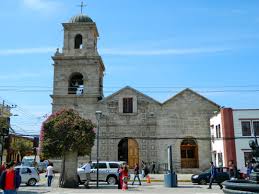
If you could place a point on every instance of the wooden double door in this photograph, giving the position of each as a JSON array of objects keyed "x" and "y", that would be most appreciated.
[
  {"x": 128, "y": 151},
  {"x": 189, "y": 154}
]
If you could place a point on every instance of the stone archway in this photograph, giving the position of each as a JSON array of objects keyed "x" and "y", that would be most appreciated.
[
  {"x": 128, "y": 151},
  {"x": 189, "y": 154},
  {"x": 123, "y": 150}
]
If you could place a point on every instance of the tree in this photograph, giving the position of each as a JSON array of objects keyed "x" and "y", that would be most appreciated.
[
  {"x": 4, "y": 125},
  {"x": 65, "y": 134},
  {"x": 22, "y": 147}
]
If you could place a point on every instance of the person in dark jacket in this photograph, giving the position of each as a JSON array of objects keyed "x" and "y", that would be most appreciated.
[
  {"x": 10, "y": 179},
  {"x": 136, "y": 174},
  {"x": 233, "y": 172},
  {"x": 213, "y": 175},
  {"x": 2, "y": 168}
]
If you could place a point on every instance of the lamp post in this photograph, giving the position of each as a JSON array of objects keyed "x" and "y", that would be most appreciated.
[{"x": 98, "y": 115}]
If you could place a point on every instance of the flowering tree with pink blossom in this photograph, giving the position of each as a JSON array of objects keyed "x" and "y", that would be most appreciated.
[{"x": 67, "y": 135}]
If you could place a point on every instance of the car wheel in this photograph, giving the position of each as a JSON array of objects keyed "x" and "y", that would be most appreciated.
[
  {"x": 111, "y": 180},
  {"x": 203, "y": 182},
  {"x": 32, "y": 182}
]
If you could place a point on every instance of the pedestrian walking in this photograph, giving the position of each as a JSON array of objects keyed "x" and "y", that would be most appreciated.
[
  {"x": 10, "y": 179},
  {"x": 120, "y": 182},
  {"x": 233, "y": 173},
  {"x": 49, "y": 173},
  {"x": 249, "y": 170},
  {"x": 143, "y": 165},
  {"x": 88, "y": 173},
  {"x": 153, "y": 167},
  {"x": 146, "y": 173},
  {"x": 213, "y": 176},
  {"x": 136, "y": 174},
  {"x": 2, "y": 168},
  {"x": 125, "y": 178}
]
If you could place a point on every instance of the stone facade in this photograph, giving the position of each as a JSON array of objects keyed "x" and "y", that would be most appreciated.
[{"x": 151, "y": 126}]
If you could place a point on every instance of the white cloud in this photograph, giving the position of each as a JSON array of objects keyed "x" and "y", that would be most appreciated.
[
  {"x": 21, "y": 51},
  {"x": 154, "y": 52},
  {"x": 41, "y": 5}
]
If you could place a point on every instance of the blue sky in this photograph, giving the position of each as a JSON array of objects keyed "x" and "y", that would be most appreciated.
[{"x": 158, "y": 47}]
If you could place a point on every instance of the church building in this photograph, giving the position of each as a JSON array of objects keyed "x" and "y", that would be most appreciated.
[{"x": 134, "y": 127}]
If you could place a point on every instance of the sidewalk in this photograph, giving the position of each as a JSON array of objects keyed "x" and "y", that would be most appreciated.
[
  {"x": 157, "y": 186},
  {"x": 160, "y": 177},
  {"x": 184, "y": 178}
]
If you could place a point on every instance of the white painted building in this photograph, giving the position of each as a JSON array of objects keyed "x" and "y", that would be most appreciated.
[
  {"x": 217, "y": 147},
  {"x": 231, "y": 131},
  {"x": 246, "y": 122}
]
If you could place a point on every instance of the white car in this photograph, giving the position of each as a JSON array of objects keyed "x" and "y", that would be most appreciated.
[
  {"x": 108, "y": 172},
  {"x": 29, "y": 175}
]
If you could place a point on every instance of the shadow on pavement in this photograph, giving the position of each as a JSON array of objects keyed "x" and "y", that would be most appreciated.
[
  {"x": 100, "y": 187},
  {"x": 30, "y": 192},
  {"x": 189, "y": 186},
  {"x": 35, "y": 186},
  {"x": 106, "y": 186}
]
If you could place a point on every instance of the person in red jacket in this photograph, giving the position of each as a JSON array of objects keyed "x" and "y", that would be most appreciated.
[
  {"x": 125, "y": 177},
  {"x": 120, "y": 182},
  {"x": 10, "y": 179}
]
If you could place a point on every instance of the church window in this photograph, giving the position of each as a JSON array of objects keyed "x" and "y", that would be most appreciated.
[
  {"x": 127, "y": 105},
  {"x": 76, "y": 84},
  {"x": 189, "y": 154},
  {"x": 78, "y": 41}
]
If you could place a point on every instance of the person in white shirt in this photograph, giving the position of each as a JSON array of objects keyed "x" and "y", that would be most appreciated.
[
  {"x": 49, "y": 173},
  {"x": 87, "y": 173}
]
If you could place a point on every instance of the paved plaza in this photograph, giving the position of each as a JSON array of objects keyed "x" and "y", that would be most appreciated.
[{"x": 155, "y": 187}]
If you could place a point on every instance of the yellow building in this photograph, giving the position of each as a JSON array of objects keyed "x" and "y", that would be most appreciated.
[{"x": 17, "y": 147}]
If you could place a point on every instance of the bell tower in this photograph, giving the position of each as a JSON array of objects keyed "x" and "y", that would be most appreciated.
[{"x": 78, "y": 68}]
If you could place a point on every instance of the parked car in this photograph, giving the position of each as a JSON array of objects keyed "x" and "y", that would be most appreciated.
[
  {"x": 29, "y": 175},
  {"x": 204, "y": 177},
  {"x": 108, "y": 172}
]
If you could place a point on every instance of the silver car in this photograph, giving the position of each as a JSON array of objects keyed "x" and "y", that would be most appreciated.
[
  {"x": 29, "y": 175},
  {"x": 108, "y": 172}
]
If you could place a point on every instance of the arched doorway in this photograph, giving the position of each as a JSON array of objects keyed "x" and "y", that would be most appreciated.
[
  {"x": 123, "y": 150},
  {"x": 78, "y": 41},
  {"x": 128, "y": 151},
  {"x": 76, "y": 82},
  {"x": 189, "y": 154}
]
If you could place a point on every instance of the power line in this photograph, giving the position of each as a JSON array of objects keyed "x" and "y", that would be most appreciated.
[
  {"x": 219, "y": 86},
  {"x": 149, "y": 91}
]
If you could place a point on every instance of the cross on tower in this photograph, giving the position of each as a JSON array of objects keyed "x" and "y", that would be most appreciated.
[{"x": 82, "y": 5}]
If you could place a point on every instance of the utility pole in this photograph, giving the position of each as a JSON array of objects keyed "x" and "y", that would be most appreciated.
[
  {"x": 98, "y": 115},
  {"x": 3, "y": 126},
  {"x": 5, "y": 113}
]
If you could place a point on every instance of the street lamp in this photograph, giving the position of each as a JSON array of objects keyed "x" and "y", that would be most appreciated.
[{"x": 98, "y": 115}]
